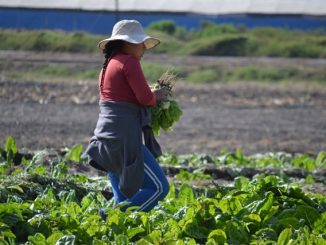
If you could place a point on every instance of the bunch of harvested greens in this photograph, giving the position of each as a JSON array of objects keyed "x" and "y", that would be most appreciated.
[{"x": 165, "y": 113}]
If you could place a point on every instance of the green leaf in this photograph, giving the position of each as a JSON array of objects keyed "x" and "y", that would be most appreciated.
[
  {"x": 75, "y": 153},
  {"x": 40, "y": 170},
  {"x": 48, "y": 194},
  {"x": 309, "y": 179},
  {"x": 321, "y": 159},
  {"x": 186, "y": 195},
  {"x": 143, "y": 242},
  {"x": 5, "y": 231},
  {"x": 90, "y": 224},
  {"x": 172, "y": 192},
  {"x": 192, "y": 229},
  {"x": 304, "y": 161},
  {"x": 121, "y": 239},
  {"x": 37, "y": 239},
  {"x": 271, "y": 213},
  {"x": 66, "y": 240},
  {"x": 134, "y": 231},
  {"x": 16, "y": 187},
  {"x": 262, "y": 207},
  {"x": 310, "y": 165},
  {"x": 284, "y": 237},
  {"x": 191, "y": 241},
  {"x": 320, "y": 224},
  {"x": 164, "y": 115},
  {"x": 13, "y": 211},
  {"x": 267, "y": 234},
  {"x": 172, "y": 229},
  {"x": 308, "y": 213},
  {"x": 87, "y": 200},
  {"x": 60, "y": 170},
  {"x": 69, "y": 197},
  {"x": 241, "y": 182},
  {"x": 266, "y": 205},
  {"x": 155, "y": 236},
  {"x": 54, "y": 237},
  {"x": 12, "y": 219},
  {"x": 297, "y": 193},
  {"x": 11, "y": 145},
  {"x": 218, "y": 236},
  {"x": 290, "y": 222},
  {"x": 231, "y": 205},
  {"x": 73, "y": 209},
  {"x": 236, "y": 233},
  {"x": 100, "y": 242},
  {"x": 252, "y": 218},
  {"x": 211, "y": 241},
  {"x": 11, "y": 149}
]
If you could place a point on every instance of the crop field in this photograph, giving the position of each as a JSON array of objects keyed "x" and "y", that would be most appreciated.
[
  {"x": 246, "y": 162},
  {"x": 272, "y": 194},
  {"x": 272, "y": 191},
  {"x": 49, "y": 197}
]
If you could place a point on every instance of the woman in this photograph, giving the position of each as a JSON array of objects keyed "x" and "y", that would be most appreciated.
[{"x": 117, "y": 145}]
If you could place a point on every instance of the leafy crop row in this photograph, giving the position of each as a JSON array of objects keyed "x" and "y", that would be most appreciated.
[
  {"x": 64, "y": 205},
  {"x": 238, "y": 159}
]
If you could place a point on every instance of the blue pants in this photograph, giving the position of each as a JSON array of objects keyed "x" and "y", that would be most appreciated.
[{"x": 154, "y": 188}]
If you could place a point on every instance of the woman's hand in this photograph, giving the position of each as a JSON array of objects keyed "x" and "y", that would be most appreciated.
[{"x": 161, "y": 93}]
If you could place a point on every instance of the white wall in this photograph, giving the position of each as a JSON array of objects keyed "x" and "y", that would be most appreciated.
[{"x": 211, "y": 7}]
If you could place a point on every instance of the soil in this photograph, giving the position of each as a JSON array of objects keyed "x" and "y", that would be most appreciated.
[{"x": 253, "y": 117}]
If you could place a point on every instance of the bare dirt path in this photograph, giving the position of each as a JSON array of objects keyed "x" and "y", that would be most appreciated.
[{"x": 249, "y": 116}]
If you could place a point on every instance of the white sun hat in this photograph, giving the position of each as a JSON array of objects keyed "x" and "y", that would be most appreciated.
[{"x": 130, "y": 31}]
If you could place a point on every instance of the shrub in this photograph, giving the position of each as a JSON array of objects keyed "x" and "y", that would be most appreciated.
[
  {"x": 165, "y": 26},
  {"x": 210, "y": 39},
  {"x": 48, "y": 41},
  {"x": 209, "y": 29},
  {"x": 228, "y": 45},
  {"x": 169, "y": 44}
]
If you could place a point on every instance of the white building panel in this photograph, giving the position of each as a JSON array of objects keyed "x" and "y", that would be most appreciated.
[{"x": 210, "y": 7}]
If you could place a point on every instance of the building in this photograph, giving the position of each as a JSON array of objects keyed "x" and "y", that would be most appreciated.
[{"x": 100, "y": 15}]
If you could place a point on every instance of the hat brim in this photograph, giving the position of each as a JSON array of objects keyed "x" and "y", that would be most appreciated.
[{"x": 150, "y": 42}]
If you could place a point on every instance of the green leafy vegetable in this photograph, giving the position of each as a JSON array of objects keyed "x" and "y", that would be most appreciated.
[
  {"x": 53, "y": 207},
  {"x": 165, "y": 113}
]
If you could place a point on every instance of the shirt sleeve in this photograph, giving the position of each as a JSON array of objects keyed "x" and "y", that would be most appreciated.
[{"x": 138, "y": 83}]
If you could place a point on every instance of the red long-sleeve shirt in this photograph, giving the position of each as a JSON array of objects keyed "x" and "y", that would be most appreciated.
[{"x": 124, "y": 81}]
